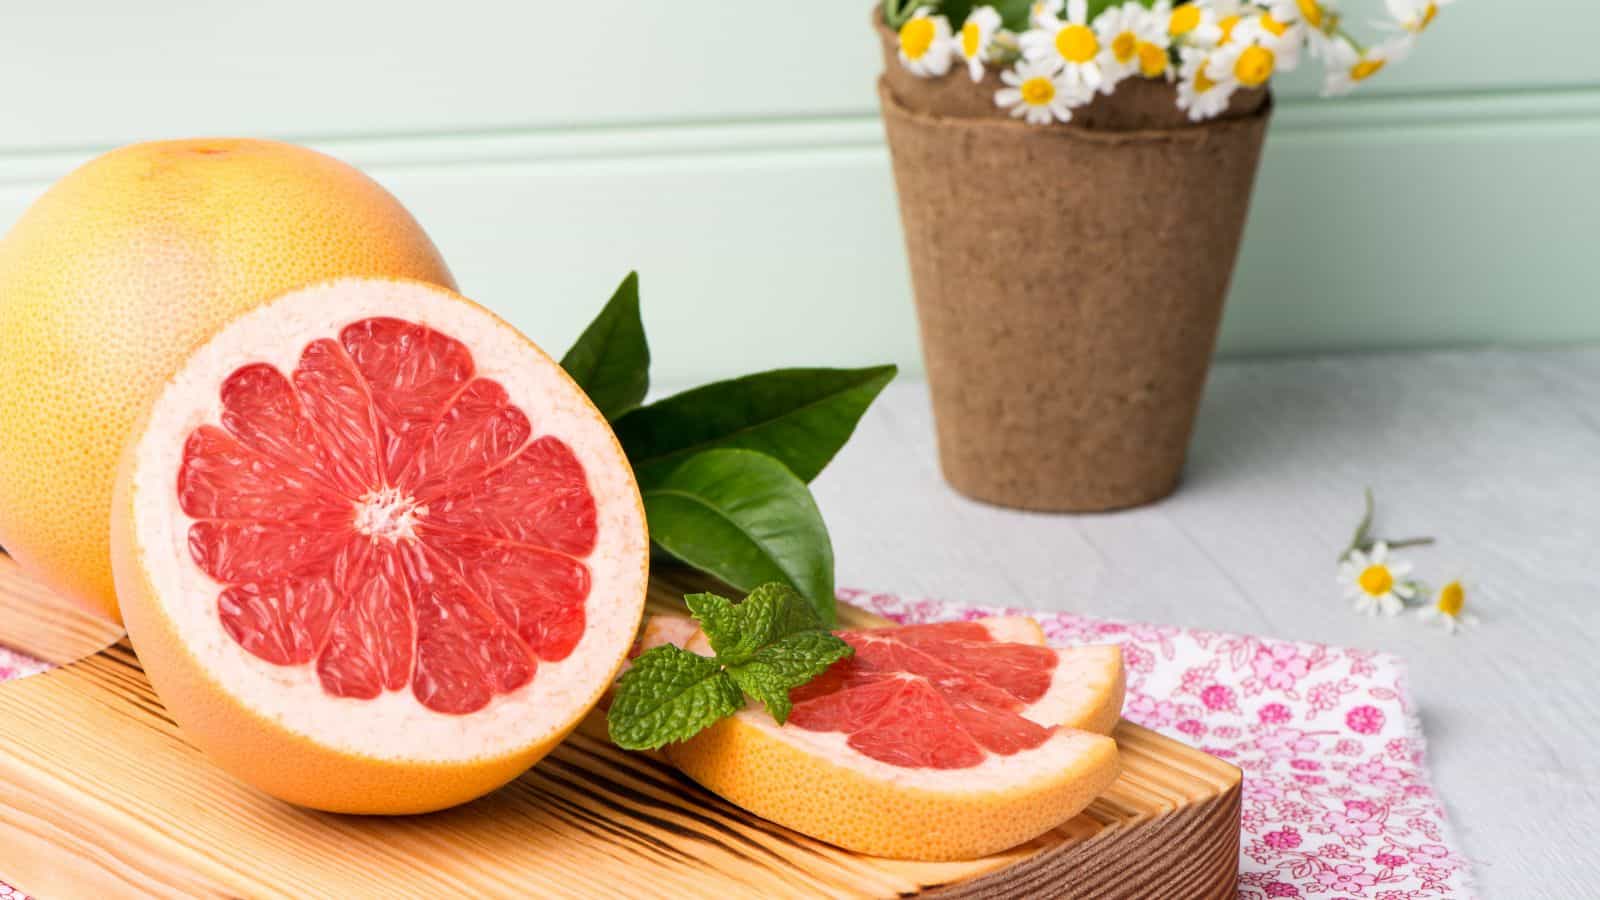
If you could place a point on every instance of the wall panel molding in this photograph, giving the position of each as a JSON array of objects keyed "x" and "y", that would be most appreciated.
[{"x": 1378, "y": 222}]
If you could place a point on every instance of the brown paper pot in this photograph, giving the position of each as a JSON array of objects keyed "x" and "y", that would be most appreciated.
[{"x": 1069, "y": 280}]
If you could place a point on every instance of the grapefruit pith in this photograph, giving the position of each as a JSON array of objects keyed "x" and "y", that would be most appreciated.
[
  {"x": 116, "y": 273},
  {"x": 943, "y": 741},
  {"x": 376, "y": 551}
]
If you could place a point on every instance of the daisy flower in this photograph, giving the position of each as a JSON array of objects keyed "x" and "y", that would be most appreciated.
[
  {"x": 1373, "y": 581},
  {"x": 1068, "y": 45},
  {"x": 1190, "y": 23},
  {"x": 1284, "y": 38},
  {"x": 1260, "y": 46},
  {"x": 925, "y": 45},
  {"x": 1448, "y": 609},
  {"x": 1137, "y": 42},
  {"x": 1348, "y": 67},
  {"x": 977, "y": 36},
  {"x": 1203, "y": 96},
  {"x": 1415, "y": 15},
  {"x": 1039, "y": 94},
  {"x": 1318, "y": 15},
  {"x": 1230, "y": 13},
  {"x": 1312, "y": 19}
]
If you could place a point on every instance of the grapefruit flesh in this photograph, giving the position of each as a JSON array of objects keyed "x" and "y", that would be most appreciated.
[
  {"x": 942, "y": 741},
  {"x": 122, "y": 268},
  {"x": 376, "y": 551}
]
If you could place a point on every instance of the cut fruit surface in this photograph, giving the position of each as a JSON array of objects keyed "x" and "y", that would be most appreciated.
[
  {"x": 371, "y": 525},
  {"x": 942, "y": 741}
]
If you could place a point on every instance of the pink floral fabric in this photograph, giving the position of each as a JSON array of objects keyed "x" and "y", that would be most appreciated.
[{"x": 1336, "y": 801}]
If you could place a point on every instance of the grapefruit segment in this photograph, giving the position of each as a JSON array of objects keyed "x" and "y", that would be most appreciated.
[
  {"x": 370, "y": 526},
  {"x": 942, "y": 741}
]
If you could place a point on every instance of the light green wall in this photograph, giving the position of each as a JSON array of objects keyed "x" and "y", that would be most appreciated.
[{"x": 737, "y": 161}]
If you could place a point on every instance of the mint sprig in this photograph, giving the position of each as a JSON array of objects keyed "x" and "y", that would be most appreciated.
[{"x": 765, "y": 647}]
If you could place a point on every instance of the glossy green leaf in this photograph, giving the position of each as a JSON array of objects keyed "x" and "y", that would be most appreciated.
[
  {"x": 745, "y": 518},
  {"x": 799, "y": 416},
  {"x": 611, "y": 360}
]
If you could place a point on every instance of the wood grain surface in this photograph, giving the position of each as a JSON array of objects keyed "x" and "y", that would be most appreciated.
[
  {"x": 35, "y": 621},
  {"x": 104, "y": 798}
]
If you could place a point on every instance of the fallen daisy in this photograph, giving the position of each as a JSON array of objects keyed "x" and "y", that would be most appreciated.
[
  {"x": 1448, "y": 609},
  {"x": 1374, "y": 581}
]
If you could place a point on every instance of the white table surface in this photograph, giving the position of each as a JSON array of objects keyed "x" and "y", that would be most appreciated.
[{"x": 1496, "y": 453}]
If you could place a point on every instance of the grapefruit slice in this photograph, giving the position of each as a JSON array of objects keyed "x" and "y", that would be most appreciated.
[
  {"x": 376, "y": 551},
  {"x": 937, "y": 742}
]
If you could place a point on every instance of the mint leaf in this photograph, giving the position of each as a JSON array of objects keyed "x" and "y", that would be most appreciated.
[
  {"x": 669, "y": 695},
  {"x": 745, "y": 518},
  {"x": 611, "y": 360},
  {"x": 801, "y": 417},
  {"x": 771, "y": 612},
  {"x": 780, "y": 667},
  {"x": 766, "y": 647}
]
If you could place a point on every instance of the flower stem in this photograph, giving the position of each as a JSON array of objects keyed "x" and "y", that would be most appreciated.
[
  {"x": 1359, "y": 540},
  {"x": 1409, "y": 542}
]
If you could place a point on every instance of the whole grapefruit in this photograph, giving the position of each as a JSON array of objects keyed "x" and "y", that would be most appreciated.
[{"x": 116, "y": 273}]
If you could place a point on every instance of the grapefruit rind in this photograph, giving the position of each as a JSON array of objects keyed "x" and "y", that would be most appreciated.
[
  {"x": 275, "y": 726},
  {"x": 815, "y": 783},
  {"x": 784, "y": 782}
]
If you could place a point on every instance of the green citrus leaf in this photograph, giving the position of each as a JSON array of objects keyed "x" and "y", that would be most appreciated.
[
  {"x": 799, "y": 416},
  {"x": 611, "y": 360},
  {"x": 745, "y": 518}
]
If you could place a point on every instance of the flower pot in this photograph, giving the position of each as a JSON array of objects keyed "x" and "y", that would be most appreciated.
[{"x": 1069, "y": 279}]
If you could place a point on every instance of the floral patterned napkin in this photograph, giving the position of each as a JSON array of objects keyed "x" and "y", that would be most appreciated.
[
  {"x": 1336, "y": 798},
  {"x": 1337, "y": 802}
]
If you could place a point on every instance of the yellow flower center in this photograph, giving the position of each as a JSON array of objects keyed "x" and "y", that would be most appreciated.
[
  {"x": 916, "y": 36},
  {"x": 1152, "y": 59},
  {"x": 1452, "y": 597},
  {"x": 1273, "y": 25},
  {"x": 1376, "y": 580},
  {"x": 1077, "y": 44},
  {"x": 1201, "y": 82},
  {"x": 1426, "y": 19},
  {"x": 1254, "y": 66},
  {"x": 1365, "y": 69},
  {"x": 1038, "y": 91},
  {"x": 1124, "y": 46},
  {"x": 1184, "y": 20},
  {"x": 971, "y": 40},
  {"x": 1311, "y": 11},
  {"x": 1226, "y": 24}
]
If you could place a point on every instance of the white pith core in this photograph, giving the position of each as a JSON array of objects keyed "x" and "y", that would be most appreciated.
[
  {"x": 388, "y": 513},
  {"x": 394, "y": 725}
]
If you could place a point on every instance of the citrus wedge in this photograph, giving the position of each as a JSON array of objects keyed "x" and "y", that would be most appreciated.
[{"x": 938, "y": 742}]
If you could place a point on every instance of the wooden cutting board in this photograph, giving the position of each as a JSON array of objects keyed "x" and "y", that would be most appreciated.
[{"x": 101, "y": 797}]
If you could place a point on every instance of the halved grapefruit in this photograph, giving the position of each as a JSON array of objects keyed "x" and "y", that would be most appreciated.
[
  {"x": 942, "y": 741},
  {"x": 376, "y": 551}
]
